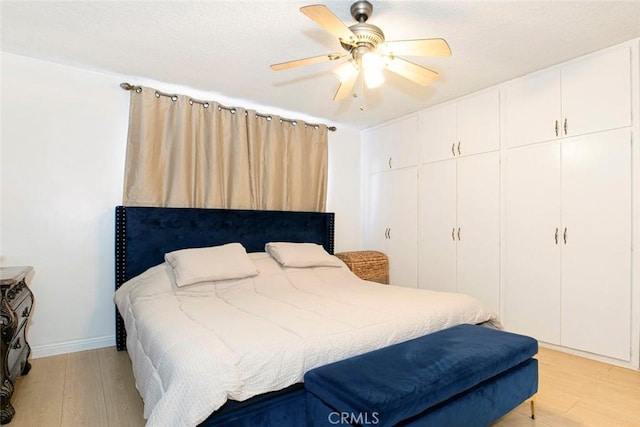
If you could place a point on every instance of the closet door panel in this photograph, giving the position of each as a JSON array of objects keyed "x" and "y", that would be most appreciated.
[
  {"x": 596, "y": 93},
  {"x": 478, "y": 123},
  {"x": 438, "y": 226},
  {"x": 403, "y": 150},
  {"x": 533, "y": 241},
  {"x": 532, "y": 109},
  {"x": 376, "y": 147},
  {"x": 438, "y": 133},
  {"x": 478, "y": 232},
  {"x": 403, "y": 223},
  {"x": 378, "y": 213},
  {"x": 596, "y": 276}
]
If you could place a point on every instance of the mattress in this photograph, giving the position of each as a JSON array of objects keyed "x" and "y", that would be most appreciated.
[{"x": 195, "y": 347}]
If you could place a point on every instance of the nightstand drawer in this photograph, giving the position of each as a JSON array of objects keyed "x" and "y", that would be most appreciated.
[
  {"x": 367, "y": 265},
  {"x": 17, "y": 354},
  {"x": 23, "y": 309}
]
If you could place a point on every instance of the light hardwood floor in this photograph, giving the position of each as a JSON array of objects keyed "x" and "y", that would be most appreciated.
[{"x": 96, "y": 388}]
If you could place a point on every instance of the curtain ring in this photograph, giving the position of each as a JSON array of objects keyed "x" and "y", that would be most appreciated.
[
  {"x": 205, "y": 105},
  {"x": 138, "y": 89},
  {"x": 157, "y": 94},
  {"x": 191, "y": 102},
  {"x": 233, "y": 110},
  {"x": 174, "y": 98},
  {"x": 294, "y": 123}
]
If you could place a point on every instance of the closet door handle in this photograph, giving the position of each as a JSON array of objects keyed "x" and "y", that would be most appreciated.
[
  {"x": 390, "y": 163},
  {"x": 453, "y": 149},
  {"x": 458, "y": 233},
  {"x": 565, "y": 126},
  {"x": 386, "y": 230},
  {"x": 556, "y": 127},
  {"x": 389, "y": 233},
  {"x": 556, "y": 236},
  {"x": 564, "y": 235},
  {"x": 453, "y": 234},
  {"x": 459, "y": 148}
]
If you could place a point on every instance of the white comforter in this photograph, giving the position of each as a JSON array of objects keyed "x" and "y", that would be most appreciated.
[{"x": 194, "y": 347}]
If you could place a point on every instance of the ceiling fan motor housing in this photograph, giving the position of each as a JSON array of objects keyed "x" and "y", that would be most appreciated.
[
  {"x": 368, "y": 37},
  {"x": 361, "y": 10}
]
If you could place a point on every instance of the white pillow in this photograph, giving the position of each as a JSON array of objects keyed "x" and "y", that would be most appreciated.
[
  {"x": 301, "y": 255},
  {"x": 224, "y": 262}
]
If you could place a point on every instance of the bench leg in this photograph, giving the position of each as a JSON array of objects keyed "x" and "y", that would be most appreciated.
[{"x": 533, "y": 409}]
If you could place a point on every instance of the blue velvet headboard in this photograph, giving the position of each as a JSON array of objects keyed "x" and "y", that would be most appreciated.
[{"x": 144, "y": 235}]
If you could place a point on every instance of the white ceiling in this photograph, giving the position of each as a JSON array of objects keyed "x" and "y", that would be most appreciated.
[{"x": 226, "y": 47}]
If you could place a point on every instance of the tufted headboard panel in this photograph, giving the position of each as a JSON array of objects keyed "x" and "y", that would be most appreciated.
[{"x": 144, "y": 235}]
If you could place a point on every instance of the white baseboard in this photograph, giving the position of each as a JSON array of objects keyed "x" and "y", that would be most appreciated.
[{"x": 72, "y": 346}]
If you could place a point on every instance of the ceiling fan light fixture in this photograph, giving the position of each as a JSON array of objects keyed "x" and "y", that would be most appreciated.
[
  {"x": 373, "y": 64},
  {"x": 345, "y": 71}
]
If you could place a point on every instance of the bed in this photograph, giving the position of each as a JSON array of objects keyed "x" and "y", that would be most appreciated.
[{"x": 234, "y": 351}]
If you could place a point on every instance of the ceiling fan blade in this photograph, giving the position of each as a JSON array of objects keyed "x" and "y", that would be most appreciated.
[
  {"x": 306, "y": 61},
  {"x": 321, "y": 15},
  {"x": 416, "y": 73},
  {"x": 423, "y": 47},
  {"x": 347, "y": 73}
]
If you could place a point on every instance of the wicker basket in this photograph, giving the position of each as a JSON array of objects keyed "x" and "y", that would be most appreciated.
[{"x": 367, "y": 265}]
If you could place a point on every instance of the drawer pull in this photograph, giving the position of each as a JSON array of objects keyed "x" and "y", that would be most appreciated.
[
  {"x": 453, "y": 149},
  {"x": 17, "y": 345},
  {"x": 564, "y": 235},
  {"x": 556, "y": 128},
  {"x": 556, "y": 235},
  {"x": 459, "y": 148},
  {"x": 565, "y": 126},
  {"x": 453, "y": 234},
  {"x": 25, "y": 312}
]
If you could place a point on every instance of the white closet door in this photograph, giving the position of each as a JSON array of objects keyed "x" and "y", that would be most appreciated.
[
  {"x": 478, "y": 231},
  {"x": 403, "y": 224},
  {"x": 533, "y": 109},
  {"x": 596, "y": 276},
  {"x": 376, "y": 146},
  {"x": 596, "y": 93},
  {"x": 403, "y": 149},
  {"x": 378, "y": 213},
  {"x": 438, "y": 133},
  {"x": 438, "y": 226},
  {"x": 533, "y": 252},
  {"x": 478, "y": 123}
]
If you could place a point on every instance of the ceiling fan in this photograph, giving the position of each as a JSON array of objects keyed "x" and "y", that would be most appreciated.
[{"x": 368, "y": 51}]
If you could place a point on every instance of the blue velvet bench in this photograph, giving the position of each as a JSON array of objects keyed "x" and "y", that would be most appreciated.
[{"x": 466, "y": 375}]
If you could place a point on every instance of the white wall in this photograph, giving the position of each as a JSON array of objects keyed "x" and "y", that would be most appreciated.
[
  {"x": 343, "y": 193},
  {"x": 62, "y": 160}
]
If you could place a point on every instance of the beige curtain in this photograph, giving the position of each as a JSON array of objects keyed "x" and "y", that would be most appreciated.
[
  {"x": 186, "y": 153},
  {"x": 288, "y": 164}
]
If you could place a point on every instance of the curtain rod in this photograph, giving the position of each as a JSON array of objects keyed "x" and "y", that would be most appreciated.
[{"x": 205, "y": 104}]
